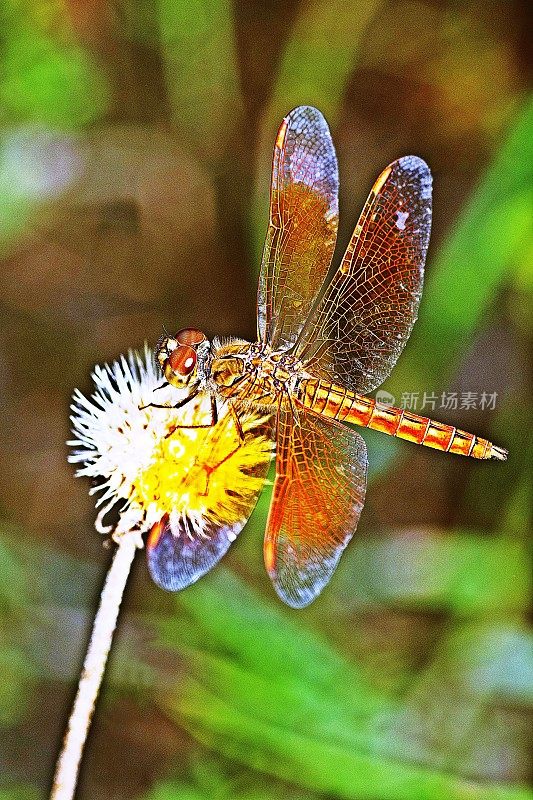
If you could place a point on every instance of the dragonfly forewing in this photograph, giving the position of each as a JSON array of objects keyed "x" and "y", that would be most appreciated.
[
  {"x": 302, "y": 229},
  {"x": 364, "y": 319}
]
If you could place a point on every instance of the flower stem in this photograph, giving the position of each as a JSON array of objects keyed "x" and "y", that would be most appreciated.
[{"x": 68, "y": 764}]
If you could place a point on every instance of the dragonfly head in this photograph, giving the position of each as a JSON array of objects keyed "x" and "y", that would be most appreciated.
[{"x": 182, "y": 357}]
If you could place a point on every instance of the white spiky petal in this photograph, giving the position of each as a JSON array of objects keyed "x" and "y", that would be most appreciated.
[
  {"x": 115, "y": 438},
  {"x": 138, "y": 459}
]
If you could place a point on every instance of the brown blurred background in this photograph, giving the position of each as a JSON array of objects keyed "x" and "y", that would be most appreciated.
[{"x": 136, "y": 140}]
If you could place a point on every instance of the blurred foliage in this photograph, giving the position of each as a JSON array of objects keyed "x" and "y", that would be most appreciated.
[
  {"x": 135, "y": 140},
  {"x": 19, "y": 793},
  {"x": 262, "y": 690},
  {"x": 46, "y": 81},
  {"x": 46, "y": 76},
  {"x": 204, "y": 88},
  {"x": 210, "y": 782}
]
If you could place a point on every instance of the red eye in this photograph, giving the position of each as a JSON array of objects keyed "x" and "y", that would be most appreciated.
[
  {"x": 183, "y": 360},
  {"x": 190, "y": 336}
]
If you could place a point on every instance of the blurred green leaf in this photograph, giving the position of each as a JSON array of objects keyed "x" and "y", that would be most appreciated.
[
  {"x": 491, "y": 658},
  {"x": 178, "y": 791},
  {"x": 40, "y": 574},
  {"x": 267, "y": 640},
  {"x": 13, "y": 578},
  {"x": 466, "y": 574},
  {"x": 518, "y": 510},
  {"x": 51, "y": 84},
  {"x": 450, "y": 709},
  {"x": 16, "y": 686},
  {"x": 217, "y": 787},
  {"x": 47, "y": 80},
  {"x": 197, "y": 41},
  {"x": 19, "y": 793},
  {"x": 261, "y": 688},
  {"x": 319, "y": 57},
  {"x": 317, "y": 765}
]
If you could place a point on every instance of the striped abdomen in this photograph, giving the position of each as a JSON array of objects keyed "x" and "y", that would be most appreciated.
[{"x": 334, "y": 402}]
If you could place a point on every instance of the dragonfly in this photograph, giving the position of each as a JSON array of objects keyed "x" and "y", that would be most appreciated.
[{"x": 321, "y": 347}]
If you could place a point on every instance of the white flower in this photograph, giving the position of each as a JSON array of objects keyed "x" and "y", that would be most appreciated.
[{"x": 194, "y": 484}]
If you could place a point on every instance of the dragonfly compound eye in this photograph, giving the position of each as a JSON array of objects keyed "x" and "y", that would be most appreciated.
[
  {"x": 190, "y": 336},
  {"x": 182, "y": 360}
]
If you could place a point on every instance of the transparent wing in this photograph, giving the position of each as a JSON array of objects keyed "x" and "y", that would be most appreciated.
[
  {"x": 302, "y": 230},
  {"x": 177, "y": 556},
  {"x": 318, "y": 496},
  {"x": 213, "y": 498},
  {"x": 364, "y": 319}
]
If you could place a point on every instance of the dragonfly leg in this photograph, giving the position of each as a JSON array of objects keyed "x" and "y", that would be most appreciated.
[
  {"x": 210, "y": 468},
  {"x": 181, "y": 403},
  {"x": 294, "y": 409},
  {"x": 210, "y": 424},
  {"x": 237, "y": 421}
]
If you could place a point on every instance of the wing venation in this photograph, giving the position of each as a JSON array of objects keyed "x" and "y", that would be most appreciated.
[
  {"x": 302, "y": 228},
  {"x": 366, "y": 315},
  {"x": 318, "y": 496}
]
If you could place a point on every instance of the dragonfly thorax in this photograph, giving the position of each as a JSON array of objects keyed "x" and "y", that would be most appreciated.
[
  {"x": 253, "y": 373},
  {"x": 228, "y": 364}
]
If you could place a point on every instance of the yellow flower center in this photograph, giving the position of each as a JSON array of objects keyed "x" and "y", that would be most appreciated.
[{"x": 210, "y": 473}]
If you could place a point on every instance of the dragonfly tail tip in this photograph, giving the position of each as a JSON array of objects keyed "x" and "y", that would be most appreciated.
[{"x": 498, "y": 453}]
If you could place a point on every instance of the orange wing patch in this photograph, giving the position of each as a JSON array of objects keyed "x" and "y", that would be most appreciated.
[{"x": 316, "y": 503}]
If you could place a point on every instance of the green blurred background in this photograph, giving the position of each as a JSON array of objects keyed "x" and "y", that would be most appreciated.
[{"x": 134, "y": 168}]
